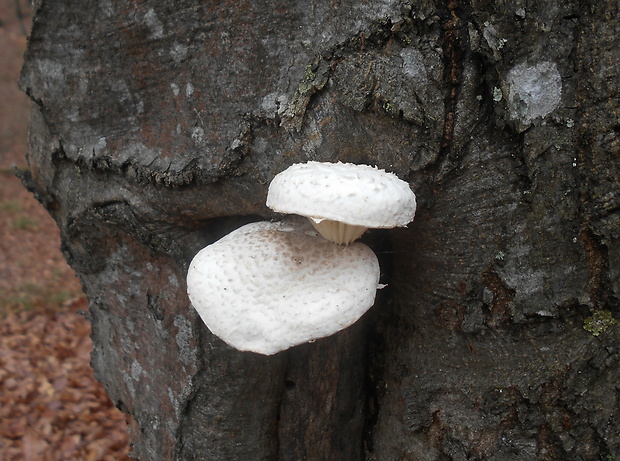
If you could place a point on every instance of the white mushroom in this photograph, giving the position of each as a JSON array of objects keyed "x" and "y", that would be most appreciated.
[
  {"x": 342, "y": 200},
  {"x": 268, "y": 286}
]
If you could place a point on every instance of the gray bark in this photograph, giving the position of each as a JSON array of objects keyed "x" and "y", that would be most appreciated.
[{"x": 157, "y": 126}]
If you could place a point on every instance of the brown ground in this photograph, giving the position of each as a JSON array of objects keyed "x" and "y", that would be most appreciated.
[{"x": 51, "y": 407}]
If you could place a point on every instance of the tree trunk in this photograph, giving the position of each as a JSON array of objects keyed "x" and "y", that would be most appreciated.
[{"x": 158, "y": 124}]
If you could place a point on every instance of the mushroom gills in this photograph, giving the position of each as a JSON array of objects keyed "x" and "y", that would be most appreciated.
[{"x": 338, "y": 232}]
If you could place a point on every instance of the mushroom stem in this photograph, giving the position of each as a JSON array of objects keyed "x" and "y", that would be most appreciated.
[{"x": 338, "y": 232}]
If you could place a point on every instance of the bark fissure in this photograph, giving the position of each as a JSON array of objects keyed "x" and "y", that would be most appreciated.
[
  {"x": 596, "y": 253},
  {"x": 455, "y": 47},
  {"x": 595, "y": 203}
]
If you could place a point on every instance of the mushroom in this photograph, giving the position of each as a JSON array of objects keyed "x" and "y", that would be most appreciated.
[
  {"x": 342, "y": 200},
  {"x": 268, "y": 286}
]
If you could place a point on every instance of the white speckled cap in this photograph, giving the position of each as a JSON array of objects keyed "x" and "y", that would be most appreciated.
[
  {"x": 359, "y": 195},
  {"x": 268, "y": 286}
]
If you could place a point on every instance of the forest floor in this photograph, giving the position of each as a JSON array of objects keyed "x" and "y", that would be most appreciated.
[{"x": 51, "y": 406}]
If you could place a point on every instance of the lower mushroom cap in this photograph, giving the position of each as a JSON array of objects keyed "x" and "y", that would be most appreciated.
[{"x": 269, "y": 286}]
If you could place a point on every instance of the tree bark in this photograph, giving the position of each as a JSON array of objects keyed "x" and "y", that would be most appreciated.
[{"x": 158, "y": 124}]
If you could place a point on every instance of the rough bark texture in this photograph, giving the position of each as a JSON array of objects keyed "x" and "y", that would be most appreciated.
[{"x": 158, "y": 124}]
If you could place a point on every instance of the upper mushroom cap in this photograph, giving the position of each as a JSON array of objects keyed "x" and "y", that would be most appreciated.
[
  {"x": 359, "y": 195},
  {"x": 268, "y": 286}
]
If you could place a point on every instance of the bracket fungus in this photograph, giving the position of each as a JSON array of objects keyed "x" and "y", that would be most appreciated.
[
  {"x": 268, "y": 286},
  {"x": 342, "y": 200}
]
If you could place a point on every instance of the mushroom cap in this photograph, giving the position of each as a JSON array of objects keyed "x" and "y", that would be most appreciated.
[
  {"x": 360, "y": 195},
  {"x": 268, "y": 286}
]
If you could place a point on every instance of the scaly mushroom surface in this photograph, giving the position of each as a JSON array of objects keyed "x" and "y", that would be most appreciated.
[
  {"x": 268, "y": 286},
  {"x": 342, "y": 200}
]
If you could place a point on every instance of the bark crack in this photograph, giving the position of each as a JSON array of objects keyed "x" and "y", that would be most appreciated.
[
  {"x": 591, "y": 173},
  {"x": 455, "y": 46}
]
